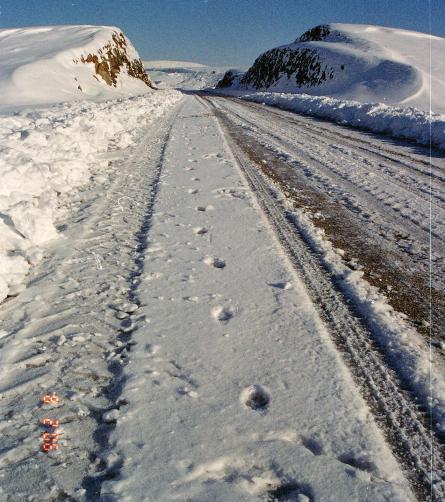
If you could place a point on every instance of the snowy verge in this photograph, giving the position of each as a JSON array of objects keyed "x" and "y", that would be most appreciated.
[
  {"x": 405, "y": 123},
  {"x": 49, "y": 152}
]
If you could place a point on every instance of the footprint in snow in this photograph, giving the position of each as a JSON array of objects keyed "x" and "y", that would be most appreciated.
[
  {"x": 281, "y": 285},
  {"x": 222, "y": 314},
  {"x": 213, "y": 156},
  {"x": 255, "y": 397},
  {"x": 200, "y": 230},
  {"x": 213, "y": 261},
  {"x": 205, "y": 208},
  {"x": 185, "y": 391}
]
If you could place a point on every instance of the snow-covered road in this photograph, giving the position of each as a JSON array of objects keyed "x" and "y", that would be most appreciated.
[
  {"x": 195, "y": 355},
  {"x": 225, "y": 312}
]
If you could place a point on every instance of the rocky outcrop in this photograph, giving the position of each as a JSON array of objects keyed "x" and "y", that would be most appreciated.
[
  {"x": 299, "y": 63},
  {"x": 304, "y": 66},
  {"x": 228, "y": 79},
  {"x": 112, "y": 58},
  {"x": 316, "y": 34}
]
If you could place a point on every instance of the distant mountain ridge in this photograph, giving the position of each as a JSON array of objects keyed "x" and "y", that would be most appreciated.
[{"x": 358, "y": 62}]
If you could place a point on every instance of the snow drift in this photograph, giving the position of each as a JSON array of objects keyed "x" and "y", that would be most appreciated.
[
  {"x": 363, "y": 63},
  {"x": 50, "y": 152},
  {"x": 54, "y": 64}
]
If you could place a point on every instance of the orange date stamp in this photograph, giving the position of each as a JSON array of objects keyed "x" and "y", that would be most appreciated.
[{"x": 50, "y": 438}]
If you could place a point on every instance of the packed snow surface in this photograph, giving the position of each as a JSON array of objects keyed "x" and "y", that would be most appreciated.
[
  {"x": 42, "y": 65},
  {"x": 231, "y": 388},
  {"x": 49, "y": 152},
  {"x": 365, "y": 63},
  {"x": 234, "y": 390}
]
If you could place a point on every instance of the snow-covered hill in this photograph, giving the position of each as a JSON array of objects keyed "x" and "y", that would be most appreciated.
[
  {"x": 51, "y": 64},
  {"x": 355, "y": 62}
]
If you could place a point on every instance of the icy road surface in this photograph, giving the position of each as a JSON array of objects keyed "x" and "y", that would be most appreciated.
[{"x": 201, "y": 347}]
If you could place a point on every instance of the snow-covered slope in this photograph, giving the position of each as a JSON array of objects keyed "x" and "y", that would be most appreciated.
[
  {"x": 355, "y": 62},
  {"x": 51, "y": 64}
]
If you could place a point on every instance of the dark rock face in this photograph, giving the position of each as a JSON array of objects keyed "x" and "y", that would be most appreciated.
[
  {"x": 304, "y": 65},
  {"x": 316, "y": 34},
  {"x": 299, "y": 62},
  {"x": 227, "y": 80},
  {"x": 111, "y": 58}
]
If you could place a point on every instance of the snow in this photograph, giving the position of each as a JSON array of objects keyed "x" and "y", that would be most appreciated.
[
  {"x": 168, "y": 271},
  {"x": 328, "y": 161},
  {"x": 186, "y": 78},
  {"x": 408, "y": 123},
  {"x": 373, "y": 64},
  {"x": 233, "y": 388},
  {"x": 400, "y": 341},
  {"x": 161, "y": 64},
  {"x": 48, "y": 153},
  {"x": 381, "y": 83},
  {"x": 410, "y": 48},
  {"x": 37, "y": 66}
]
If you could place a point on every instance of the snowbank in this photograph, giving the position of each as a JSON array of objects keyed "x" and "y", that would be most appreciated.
[
  {"x": 407, "y": 123},
  {"x": 54, "y": 64},
  {"x": 49, "y": 152}
]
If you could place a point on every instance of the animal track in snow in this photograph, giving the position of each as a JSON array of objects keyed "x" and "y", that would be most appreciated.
[
  {"x": 213, "y": 261},
  {"x": 255, "y": 397},
  {"x": 213, "y": 156},
  {"x": 185, "y": 391},
  {"x": 314, "y": 446},
  {"x": 281, "y": 285},
  {"x": 200, "y": 230},
  {"x": 193, "y": 299},
  {"x": 205, "y": 208},
  {"x": 263, "y": 480},
  {"x": 233, "y": 193},
  {"x": 152, "y": 349},
  {"x": 362, "y": 463},
  {"x": 222, "y": 314},
  {"x": 290, "y": 491}
]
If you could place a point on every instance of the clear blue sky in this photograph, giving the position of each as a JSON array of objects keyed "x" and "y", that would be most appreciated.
[{"x": 219, "y": 32}]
